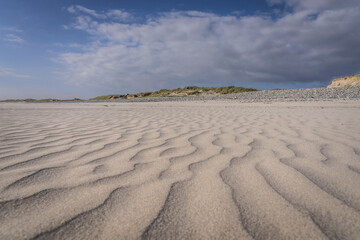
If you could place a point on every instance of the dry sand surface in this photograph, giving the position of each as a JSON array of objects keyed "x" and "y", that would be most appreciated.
[{"x": 180, "y": 170}]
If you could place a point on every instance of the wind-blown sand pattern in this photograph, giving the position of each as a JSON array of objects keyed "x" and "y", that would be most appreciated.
[{"x": 180, "y": 170}]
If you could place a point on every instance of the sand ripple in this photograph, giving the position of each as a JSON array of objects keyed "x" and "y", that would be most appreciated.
[{"x": 197, "y": 170}]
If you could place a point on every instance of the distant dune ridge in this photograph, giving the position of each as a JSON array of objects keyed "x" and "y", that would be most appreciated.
[
  {"x": 179, "y": 92},
  {"x": 180, "y": 170},
  {"x": 348, "y": 81}
]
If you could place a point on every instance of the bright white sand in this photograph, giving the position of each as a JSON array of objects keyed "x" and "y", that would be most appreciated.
[{"x": 180, "y": 170}]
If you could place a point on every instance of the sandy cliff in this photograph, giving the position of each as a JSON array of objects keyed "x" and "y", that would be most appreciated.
[{"x": 347, "y": 81}]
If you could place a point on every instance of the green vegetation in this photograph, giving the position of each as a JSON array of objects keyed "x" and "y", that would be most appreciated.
[
  {"x": 106, "y": 97},
  {"x": 176, "y": 92},
  {"x": 179, "y": 92},
  {"x": 351, "y": 76}
]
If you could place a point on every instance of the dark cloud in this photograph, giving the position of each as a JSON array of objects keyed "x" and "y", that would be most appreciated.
[{"x": 311, "y": 44}]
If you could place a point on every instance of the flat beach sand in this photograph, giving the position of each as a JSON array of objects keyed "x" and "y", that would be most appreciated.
[{"x": 180, "y": 170}]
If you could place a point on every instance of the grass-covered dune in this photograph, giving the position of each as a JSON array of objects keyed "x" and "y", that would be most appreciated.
[{"x": 179, "y": 92}]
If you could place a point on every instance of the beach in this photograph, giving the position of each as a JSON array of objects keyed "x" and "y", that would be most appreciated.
[{"x": 210, "y": 169}]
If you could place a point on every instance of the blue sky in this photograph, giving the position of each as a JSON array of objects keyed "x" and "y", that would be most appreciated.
[{"x": 67, "y": 49}]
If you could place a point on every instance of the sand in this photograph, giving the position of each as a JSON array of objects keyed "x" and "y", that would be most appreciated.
[{"x": 180, "y": 170}]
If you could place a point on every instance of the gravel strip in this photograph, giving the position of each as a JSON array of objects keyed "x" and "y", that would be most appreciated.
[{"x": 312, "y": 94}]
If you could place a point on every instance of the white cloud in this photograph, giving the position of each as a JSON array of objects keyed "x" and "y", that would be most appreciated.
[
  {"x": 78, "y": 8},
  {"x": 317, "y": 5},
  {"x": 58, "y": 44},
  {"x": 8, "y": 72},
  {"x": 13, "y": 38},
  {"x": 10, "y": 34},
  {"x": 11, "y": 29},
  {"x": 115, "y": 14},
  {"x": 71, "y": 9},
  {"x": 119, "y": 15},
  {"x": 179, "y": 48}
]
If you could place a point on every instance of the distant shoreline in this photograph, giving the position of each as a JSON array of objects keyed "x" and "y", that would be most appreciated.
[{"x": 310, "y": 94}]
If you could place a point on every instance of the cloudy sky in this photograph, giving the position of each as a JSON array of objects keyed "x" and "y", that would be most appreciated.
[{"x": 67, "y": 49}]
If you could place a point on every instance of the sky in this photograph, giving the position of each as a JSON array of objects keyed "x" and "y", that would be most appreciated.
[{"x": 81, "y": 49}]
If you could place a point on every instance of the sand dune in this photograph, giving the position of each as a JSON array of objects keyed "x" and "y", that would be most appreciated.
[{"x": 180, "y": 170}]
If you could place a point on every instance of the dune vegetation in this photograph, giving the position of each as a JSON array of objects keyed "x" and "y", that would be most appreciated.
[{"x": 179, "y": 92}]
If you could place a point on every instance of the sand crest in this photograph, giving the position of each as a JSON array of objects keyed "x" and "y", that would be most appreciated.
[{"x": 180, "y": 170}]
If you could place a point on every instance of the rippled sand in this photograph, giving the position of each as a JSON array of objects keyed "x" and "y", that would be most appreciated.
[{"x": 180, "y": 170}]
